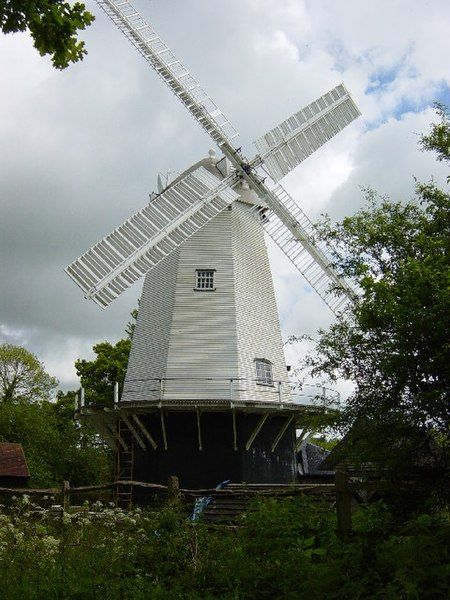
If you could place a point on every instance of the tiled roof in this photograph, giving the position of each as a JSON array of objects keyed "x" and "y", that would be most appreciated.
[{"x": 12, "y": 461}]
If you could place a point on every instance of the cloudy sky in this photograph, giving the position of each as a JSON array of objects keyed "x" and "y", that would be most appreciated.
[{"x": 81, "y": 149}]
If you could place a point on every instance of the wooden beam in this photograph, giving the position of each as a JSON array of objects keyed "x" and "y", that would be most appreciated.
[
  {"x": 118, "y": 438},
  {"x": 281, "y": 433},
  {"x": 142, "y": 427},
  {"x": 257, "y": 429},
  {"x": 234, "y": 429},
  {"x": 199, "y": 430},
  {"x": 305, "y": 435},
  {"x": 135, "y": 434},
  {"x": 163, "y": 427},
  {"x": 105, "y": 432}
]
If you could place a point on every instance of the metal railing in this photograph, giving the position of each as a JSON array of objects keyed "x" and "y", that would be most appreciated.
[{"x": 233, "y": 390}]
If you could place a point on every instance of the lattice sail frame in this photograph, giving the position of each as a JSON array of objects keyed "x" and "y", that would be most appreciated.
[
  {"x": 311, "y": 256},
  {"x": 149, "y": 44},
  {"x": 285, "y": 146},
  {"x": 151, "y": 234}
]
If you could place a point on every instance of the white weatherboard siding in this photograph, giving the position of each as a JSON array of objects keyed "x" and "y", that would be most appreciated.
[
  {"x": 148, "y": 356},
  {"x": 198, "y": 340},
  {"x": 203, "y": 341},
  {"x": 257, "y": 324}
]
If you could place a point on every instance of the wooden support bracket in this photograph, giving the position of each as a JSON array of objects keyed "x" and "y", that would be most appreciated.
[
  {"x": 234, "y": 429},
  {"x": 199, "y": 430},
  {"x": 135, "y": 434},
  {"x": 303, "y": 437},
  {"x": 281, "y": 433},
  {"x": 144, "y": 430},
  {"x": 116, "y": 435},
  {"x": 163, "y": 427},
  {"x": 257, "y": 429},
  {"x": 106, "y": 433}
]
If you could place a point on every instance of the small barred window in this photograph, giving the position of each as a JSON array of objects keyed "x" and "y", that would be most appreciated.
[
  {"x": 204, "y": 279},
  {"x": 263, "y": 371}
]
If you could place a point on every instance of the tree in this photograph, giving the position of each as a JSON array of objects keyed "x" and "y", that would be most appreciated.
[
  {"x": 53, "y": 25},
  {"x": 56, "y": 447},
  {"x": 131, "y": 325},
  {"x": 22, "y": 376},
  {"x": 99, "y": 375},
  {"x": 110, "y": 365},
  {"x": 439, "y": 138},
  {"x": 393, "y": 341}
]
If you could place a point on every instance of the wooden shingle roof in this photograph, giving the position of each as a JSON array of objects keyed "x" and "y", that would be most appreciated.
[{"x": 12, "y": 461}]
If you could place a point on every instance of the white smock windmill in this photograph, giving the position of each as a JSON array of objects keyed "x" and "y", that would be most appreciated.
[{"x": 207, "y": 341}]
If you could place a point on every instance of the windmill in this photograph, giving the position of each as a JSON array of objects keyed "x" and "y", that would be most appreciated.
[{"x": 206, "y": 394}]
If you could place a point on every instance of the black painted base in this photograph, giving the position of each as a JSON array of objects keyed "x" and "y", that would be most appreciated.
[{"x": 217, "y": 460}]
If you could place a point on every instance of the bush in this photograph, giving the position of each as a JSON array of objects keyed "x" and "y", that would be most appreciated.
[{"x": 283, "y": 549}]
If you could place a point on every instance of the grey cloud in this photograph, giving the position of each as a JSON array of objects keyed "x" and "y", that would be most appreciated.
[{"x": 80, "y": 150}]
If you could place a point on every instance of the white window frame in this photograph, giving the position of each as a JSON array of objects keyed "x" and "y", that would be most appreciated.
[
  {"x": 205, "y": 277},
  {"x": 264, "y": 371}
]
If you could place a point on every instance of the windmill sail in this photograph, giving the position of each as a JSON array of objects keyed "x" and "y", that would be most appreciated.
[
  {"x": 298, "y": 238},
  {"x": 151, "y": 234},
  {"x": 148, "y": 43},
  {"x": 293, "y": 140}
]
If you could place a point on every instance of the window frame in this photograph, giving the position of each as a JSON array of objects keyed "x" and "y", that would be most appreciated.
[
  {"x": 266, "y": 381},
  {"x": 205, "y": 289}
]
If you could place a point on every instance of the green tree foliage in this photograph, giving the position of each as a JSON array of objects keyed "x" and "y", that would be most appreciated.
[
  {"x": 131, "y": 325},
  {"x": 439, "y": 138},
  {"x": 56, "y": 447},
  {"x": 53, "y": 25},
  {"x": 22, "y": 376},
  {"x": 393, "y": 342},
  {"x": 110, "y": 365},
  {"x": 99, "y": 375}
]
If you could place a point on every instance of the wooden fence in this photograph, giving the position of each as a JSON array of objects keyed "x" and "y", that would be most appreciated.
[{"x": 340, "y": 493}]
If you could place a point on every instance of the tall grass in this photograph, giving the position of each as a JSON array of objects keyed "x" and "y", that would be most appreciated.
[{"x": 283, "y": 549}]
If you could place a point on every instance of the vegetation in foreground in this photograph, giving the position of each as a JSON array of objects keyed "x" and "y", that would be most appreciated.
[
  {"x": 53, "y": 25},
  {"x": 284, "y": 549}
]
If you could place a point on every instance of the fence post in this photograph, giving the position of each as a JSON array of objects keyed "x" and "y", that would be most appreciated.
[
  {"x": 173, "y": 487},
  {"x": 343, "y": 506},
  {"x": 65, "y": 493}
]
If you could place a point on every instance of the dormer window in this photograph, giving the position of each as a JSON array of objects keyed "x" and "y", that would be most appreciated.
[
  {"x": 204, "y": 280},
  {"x": 263, "y": 371}
]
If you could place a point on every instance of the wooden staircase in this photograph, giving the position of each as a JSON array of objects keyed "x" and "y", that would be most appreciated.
[
  {"x": 228, "y": 504},
  {"x": 225, "y": 507}
]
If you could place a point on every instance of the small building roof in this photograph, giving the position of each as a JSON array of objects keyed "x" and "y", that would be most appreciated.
[
  {"x": 347, "y": 455},
  {"x": 12, "y": 461},
  {"x": 311, "y": 458}
]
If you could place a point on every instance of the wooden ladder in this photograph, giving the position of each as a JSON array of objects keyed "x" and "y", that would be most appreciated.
[{"x": 124, "y": 466}]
